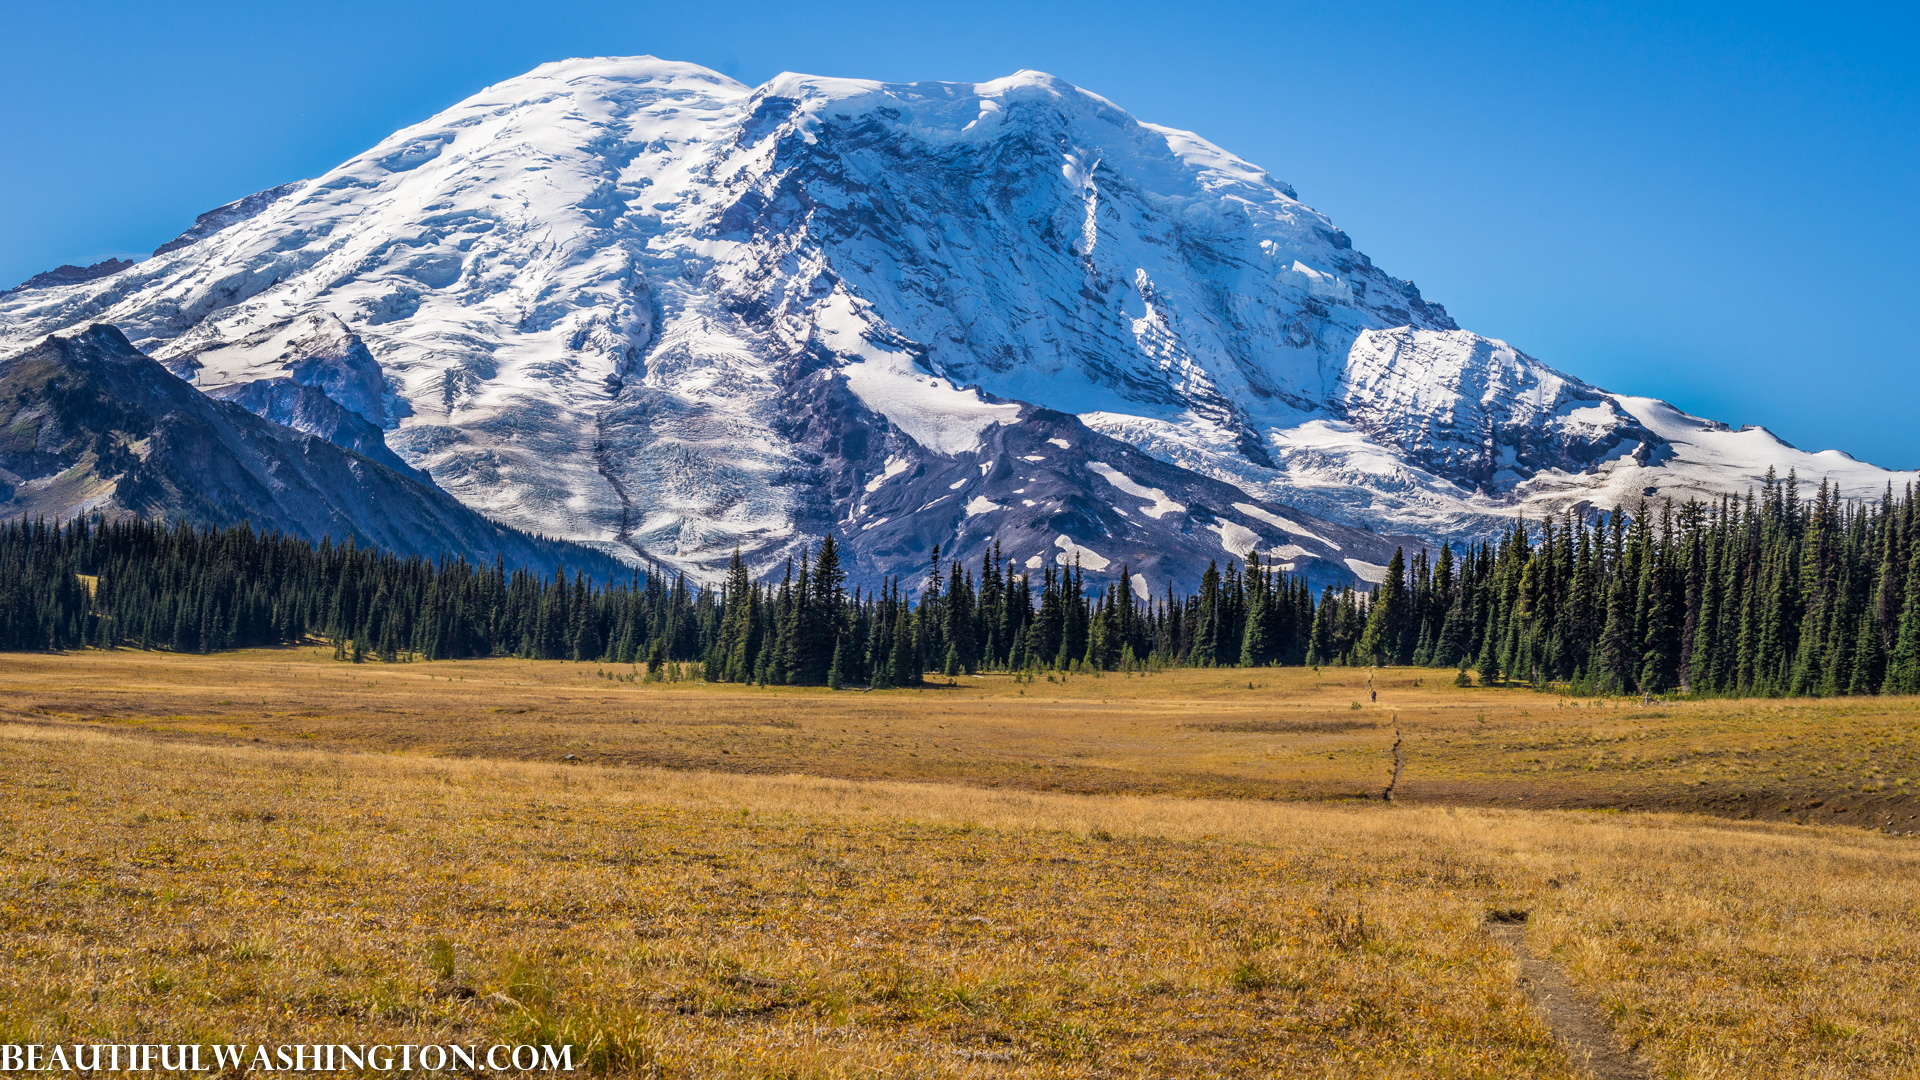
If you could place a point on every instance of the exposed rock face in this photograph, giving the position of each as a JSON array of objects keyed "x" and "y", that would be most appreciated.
[
  {"x": 220, "y": 217},
  {"x": 308, "y": 408},
  {"x": 649, "y": 308},
  {"x": 88, "y": 424},
  {"x": 70, "y": 274}
]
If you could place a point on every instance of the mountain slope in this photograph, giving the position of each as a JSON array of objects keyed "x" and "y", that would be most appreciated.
[
  {"x": 89, "y": 424},
  {"x": 650, "y": 308}
]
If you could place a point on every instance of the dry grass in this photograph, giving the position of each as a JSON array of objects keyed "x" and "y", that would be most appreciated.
[
  {"x": 1272, "y": 733},
  {"x": 166, "y": 877}
]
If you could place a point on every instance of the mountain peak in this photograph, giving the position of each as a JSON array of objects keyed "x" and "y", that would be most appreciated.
[
  {"x": 642, "y": 69},
  {"x": 640, "y": 304}
]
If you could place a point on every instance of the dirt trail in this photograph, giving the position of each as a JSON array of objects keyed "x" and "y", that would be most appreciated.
[{"x": 1579, "y": 1027}]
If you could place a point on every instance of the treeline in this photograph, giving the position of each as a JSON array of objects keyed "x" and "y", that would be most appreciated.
[
  {"x": 144, "y": 585},
  {"x": 139, "y": 584},
  {"x": 806, "y": 629},
  {"x": 1772, "y": 595},
  {"x": 1768, "y": 596}
]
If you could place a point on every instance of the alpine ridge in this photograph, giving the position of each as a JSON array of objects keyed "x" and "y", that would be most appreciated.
[
  {"x": 89, "y": 425},
  {"x": 651, "y": 309}
]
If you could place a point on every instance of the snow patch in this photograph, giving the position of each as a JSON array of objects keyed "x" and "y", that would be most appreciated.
[
  {"x": 895, "y": 466},
  {"x": 1279, "y": 522},
  {"x": 927, "y": 408},
  {"x": 1320, "y": 285},
  {"x": 981, "y": 505},
  {"x": 1088, "y": 557},
  {"x": 1061, "y": 443},
  {"x": 1161, "y": 504},
  {"x": 1237, "y": 539},
  {"x": 1366, "y": 571}
]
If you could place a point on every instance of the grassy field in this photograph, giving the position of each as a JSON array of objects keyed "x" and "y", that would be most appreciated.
[
  {"x": 1278, "y": 733},
  {"x": 1178, "y": 875}
]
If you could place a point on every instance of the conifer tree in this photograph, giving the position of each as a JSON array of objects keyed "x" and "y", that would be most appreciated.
[
  {"x": 1660, "y": 656},
  {"x": 1320, "y": 647},
  {"x": 1903, "y": 665},
  {"x": 1387, "y": 618},
  {"x": 1869, "y": 659},
  {"x": 1489, "y": 663}
]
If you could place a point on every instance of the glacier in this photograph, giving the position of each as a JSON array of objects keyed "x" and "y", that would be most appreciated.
[{"x": 637, "y": 304}]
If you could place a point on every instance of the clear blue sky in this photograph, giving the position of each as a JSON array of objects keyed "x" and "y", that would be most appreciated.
[{"x": 1710, "y": 204}]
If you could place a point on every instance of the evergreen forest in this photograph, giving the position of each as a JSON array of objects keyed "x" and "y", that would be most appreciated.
[{"x": 1771, "y": 595}]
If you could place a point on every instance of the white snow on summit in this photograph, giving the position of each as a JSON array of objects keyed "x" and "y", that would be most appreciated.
[{"x": 635, "y": 303}]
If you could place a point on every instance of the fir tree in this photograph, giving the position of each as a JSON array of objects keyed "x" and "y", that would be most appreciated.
[
  {"x": 1387, "y": 619},
  {"x": 1903, "y": 665}
]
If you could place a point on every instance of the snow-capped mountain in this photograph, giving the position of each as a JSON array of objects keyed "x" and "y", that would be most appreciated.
[
  {"x": 638, "y": 304},
  {"x": 88, "y": 424}
]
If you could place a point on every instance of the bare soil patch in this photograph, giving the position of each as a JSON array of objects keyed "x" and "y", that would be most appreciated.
[{"x": 1579, "y": 1028}]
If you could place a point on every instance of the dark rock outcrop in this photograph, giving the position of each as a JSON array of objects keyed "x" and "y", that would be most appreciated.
[
  {"x": 221, "y": 217},
  {"x": 70, "y": 274}
]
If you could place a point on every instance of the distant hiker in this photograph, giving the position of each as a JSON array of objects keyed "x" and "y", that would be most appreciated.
[{"x": 1373, "y": 696}]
